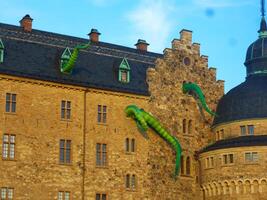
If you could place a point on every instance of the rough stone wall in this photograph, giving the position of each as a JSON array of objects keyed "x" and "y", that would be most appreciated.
[
  {"x": 171, "y": 107},
  {"x": 237, "y": 181},
  {"x": 36, "y": 173}
]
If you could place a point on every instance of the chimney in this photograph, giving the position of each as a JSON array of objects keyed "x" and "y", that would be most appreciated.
[
  {"x": 26, "y": 23},
  {"x": 94, "y": 35},
  {"x": 141, "y": 45}
]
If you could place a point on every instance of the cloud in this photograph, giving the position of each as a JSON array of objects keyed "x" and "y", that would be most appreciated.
[
  {"x": 222, "y": 3},
  {"x": 151, "y": 21}
]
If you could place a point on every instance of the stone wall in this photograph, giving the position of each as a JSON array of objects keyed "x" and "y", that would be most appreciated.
[
  {"x": 235, "y": 181},
  {"x": 168, "y": 103}
]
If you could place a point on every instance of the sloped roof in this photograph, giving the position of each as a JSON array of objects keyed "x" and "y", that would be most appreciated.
[
  {"x": 242, "y": 141},
  {"x": 37, "y": 54}
]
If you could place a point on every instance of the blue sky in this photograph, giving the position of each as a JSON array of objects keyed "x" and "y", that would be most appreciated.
[{"x": 224, "y": 28}]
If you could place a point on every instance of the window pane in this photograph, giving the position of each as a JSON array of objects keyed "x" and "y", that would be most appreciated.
[
  {"x": 12, "y": 151},
  {"x": 97, "y": 197},
  {"x": 124, "y": 76},
  {"x": 225, "y": 159},
  {"x": 104, "y": 158},
  {"x": 10, "y": 193},
  {"x": 104, "y": 147},
  {"x": 98, "y": 154},
  {"x": 7, "y": 107},
  {"x": 62, "y": 144},
  {"x": 13, "y": 109},
  {"x": 99, "y": 108},
  {"x": 104, "y": 197},
  {"x": 127, "y": 145},
  {"x": 104, "y": 109},
  {"x": 62, "y": 155},
  {"x": 68, "y": 104},
  {"x": 60, "y": 195},
  {"x": 104, "y": 117},
  {"x": 68, "y": 144},
  {"x": 63, "y": 113},
  {"x": 248, "y": 157},
  {"x": 8, "y": 97},
  {"x": 14, "y": 97},
  {"x": 67, "y": 196},
  {"x": 68, "y": 114},
  {"x": 99, "y": 117},
  {"x": 12, "y": 138},
  {"x": 243, "y": 130},
  {"x": 251, "y": 130},
  {"x": 127, "y": 181},
  {"x": 231, "y": 158},
  {"x": 5, "y": 150},
  {"x": 254, "y": 156},
  {"x": 68, "y": 156},
  {"x": 5, "y": 138},
  {"x": 133, "y": 181},
  {"x": 133, "y": 145},
  {"x": 3, "y": 193},
  {"x": 63, "y": 104}
]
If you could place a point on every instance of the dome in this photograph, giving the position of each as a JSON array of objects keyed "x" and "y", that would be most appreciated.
[
  {"x": 249, "y": 99},
  {"x": 246, "y": 101}
]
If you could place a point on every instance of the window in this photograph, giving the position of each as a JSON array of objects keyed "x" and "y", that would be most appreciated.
[
  {"x": 124, "y": 71},
  {"x": 127, "y": 145},
  {"x": 8, "y": 146},
  {"x": 101, "y": 154},
  {"x": 65, "y": 57},
  {"x": 184, "y": 125},
  {"x": 188, "y": 166},
  {"x": 130, "y": 182},
  {"x": 221, "y": 134},
  {"x": 1, "y": 51},
  {"x": 182, "y": 165},
  {"x": 63, "y": 195},
  {"x": 243, "y": 130},
  {"x": 101, "y": 196},
  {"x": 190, "y": 126},
  {"x": 251, "y": 157},
  {"x": 65, "y": 109},
  {"x": 228, "y": 159},
  {"x": 209, "y": 162},
  {"x": 7, "y": 193},
  {"x": 102, "y": 114},
  {"x": 247, "y": 130},
  {"x": 11, "y": 102},
  {"x": 65, "y": 151},
  {"x": 250, "y": 130},
  {"x": 130, "y": 145}
]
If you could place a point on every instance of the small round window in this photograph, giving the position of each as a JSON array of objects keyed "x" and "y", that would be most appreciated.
[{"x": 187, "y": 61}]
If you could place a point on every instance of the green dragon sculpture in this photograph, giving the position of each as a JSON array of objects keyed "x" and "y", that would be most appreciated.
[
  {"x": 194, "y": 90},
  {"x": 145, "y": 120},
  {"x": 67, "y": 67}
]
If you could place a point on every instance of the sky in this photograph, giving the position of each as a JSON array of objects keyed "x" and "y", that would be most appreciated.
[{"x": 224, "y": 28}]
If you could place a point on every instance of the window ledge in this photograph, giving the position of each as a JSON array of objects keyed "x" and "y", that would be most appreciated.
[
  {"x": 102, "y": 124},
  {"x": 130, "y": 153},
  {"x": 66, "y": 120},
  {"x": 65, "y": 164},
  {"x": 131, "y": 190},
  {"x": 101, "y": 167},
  {"x": 186, "y": 176},
  {"x": 10, "y": 113},
  {"x": 8, "y": 159}
]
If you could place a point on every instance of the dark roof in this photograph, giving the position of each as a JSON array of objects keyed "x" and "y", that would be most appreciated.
[
  {"x": 246, "y": 101},
  {"x": 242, "y": 141},
  {"x": 36, "y": 55}
]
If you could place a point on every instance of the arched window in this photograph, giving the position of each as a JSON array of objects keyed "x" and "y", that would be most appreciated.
[
  {"x": 133, "y": 145},
  {"x": 188, "y": 166},
  {"x": 127, "y": 184},
  {"x": 184, "y": 125},
  {"x": 182, "y": 164},
  {"x": 133, "y": 182},
  {"x": 127, "y": 145},
  {"x": 190, "y": 126}
]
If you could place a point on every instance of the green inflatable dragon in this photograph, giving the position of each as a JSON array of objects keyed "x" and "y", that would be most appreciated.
[
  {"x": 67, "y": 67},
  {"x": 144, "y": 120},
  {"x": 194, "y": 90}
]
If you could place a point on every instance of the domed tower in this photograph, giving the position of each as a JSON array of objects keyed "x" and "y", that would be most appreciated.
[{"x": 235, "y": 165}]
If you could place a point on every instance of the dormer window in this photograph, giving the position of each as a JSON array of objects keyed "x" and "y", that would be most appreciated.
[
  {"x": 1, "y": 51},
  {"x": 65, "y": 57},
  {"x": 124, "y": 71}
]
